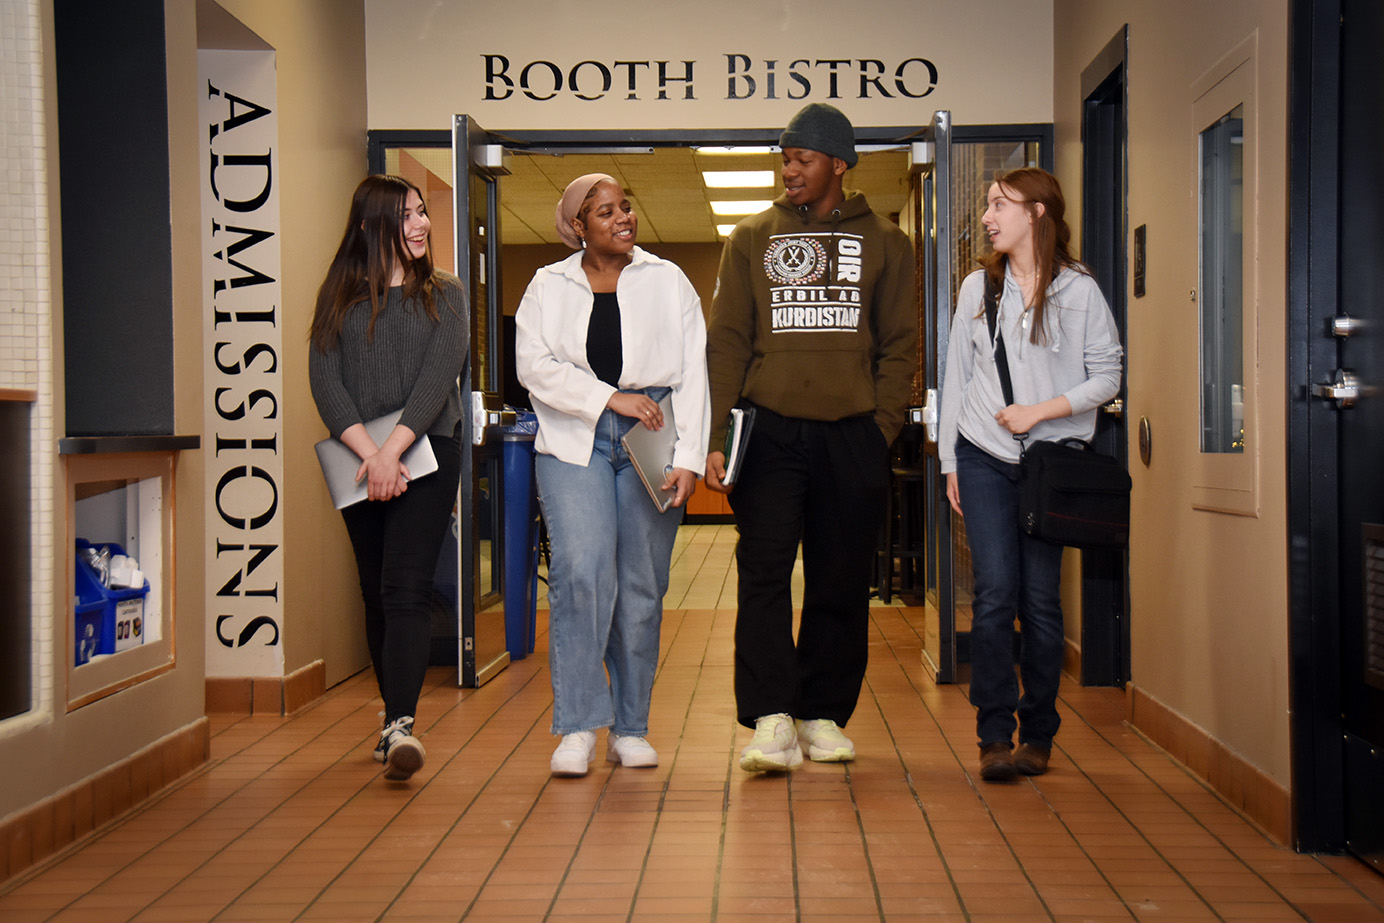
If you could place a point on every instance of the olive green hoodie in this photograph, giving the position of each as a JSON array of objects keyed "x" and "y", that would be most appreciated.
[{"x": 814, "y": 319}]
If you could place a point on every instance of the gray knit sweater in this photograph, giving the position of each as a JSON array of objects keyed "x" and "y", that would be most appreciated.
[{"x": 411, "y": 362}]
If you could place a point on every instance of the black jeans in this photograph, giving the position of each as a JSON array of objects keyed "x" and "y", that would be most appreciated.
[
  {"x": 821, "y": 483},
  {"x": 397, "y": 543}
]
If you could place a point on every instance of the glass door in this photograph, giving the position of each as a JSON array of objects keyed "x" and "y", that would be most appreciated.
[
  {"x": 481, "y": 648},
  {"x": 932, "y": 185},
  {"x": 952, "y": 169}
]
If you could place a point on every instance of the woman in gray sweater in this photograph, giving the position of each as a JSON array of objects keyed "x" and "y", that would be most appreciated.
[{"x": 390, "y": 333}]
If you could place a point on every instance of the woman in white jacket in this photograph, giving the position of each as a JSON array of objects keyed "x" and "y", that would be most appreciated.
[
  {"x": 1064, "y": 360},
  {"x": 603, "y": 336}
]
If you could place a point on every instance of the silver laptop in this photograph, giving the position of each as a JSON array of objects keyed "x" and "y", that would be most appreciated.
[
  {"x": 340, "y": 464},
  {"x": 651, "y": 451}
]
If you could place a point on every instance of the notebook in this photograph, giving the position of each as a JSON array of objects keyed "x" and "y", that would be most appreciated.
[
  {"x": 651, "y": 451},
  {"x": 340, "y": 464},
  {"x": 737, "y": 441}
]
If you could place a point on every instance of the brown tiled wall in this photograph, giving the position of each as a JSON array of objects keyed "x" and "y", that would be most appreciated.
[
  {"x": 266, "y": 695},
  {"x": 30, "y": 836},
  {"x": 1262, "y": 799}
]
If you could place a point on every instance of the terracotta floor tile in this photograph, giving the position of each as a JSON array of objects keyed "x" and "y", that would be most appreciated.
[{"x": 293, "y": 821}]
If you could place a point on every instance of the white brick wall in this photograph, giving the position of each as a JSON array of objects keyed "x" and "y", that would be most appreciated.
[{"x": 26, "y": 310}]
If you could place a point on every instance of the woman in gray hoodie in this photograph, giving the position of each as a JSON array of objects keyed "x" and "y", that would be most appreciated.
[{"x": 1065, "y": 360}]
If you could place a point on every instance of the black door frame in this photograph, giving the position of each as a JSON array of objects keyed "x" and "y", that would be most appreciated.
[
  {"x": 1105, "y": 617},
  {"x": 1314, "y": 643}
]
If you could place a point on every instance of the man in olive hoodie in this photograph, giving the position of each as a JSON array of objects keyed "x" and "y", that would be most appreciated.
[{"x": 814, "y": 323}]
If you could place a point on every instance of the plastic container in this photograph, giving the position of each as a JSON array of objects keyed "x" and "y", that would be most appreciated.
[
  {"x": 521, "y": 536},
  {"x": 107, "y": 621}
]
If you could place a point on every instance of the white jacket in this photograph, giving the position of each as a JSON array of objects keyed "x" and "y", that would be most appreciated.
[{"x": 663, "y": 337}]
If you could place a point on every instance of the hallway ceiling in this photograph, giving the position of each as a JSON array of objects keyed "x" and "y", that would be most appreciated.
[{"x": 666, "y": 188}]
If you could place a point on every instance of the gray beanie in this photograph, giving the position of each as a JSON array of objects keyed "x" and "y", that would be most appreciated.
[{"x": 820, "y": 127}]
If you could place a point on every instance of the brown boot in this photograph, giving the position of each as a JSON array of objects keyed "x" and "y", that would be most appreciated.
[
  {"x": 1031, "y": 760},
  {"x": 996, "y": 762}
]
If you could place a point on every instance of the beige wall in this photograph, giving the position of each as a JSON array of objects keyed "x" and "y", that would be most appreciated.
[
  {"x": 72, "y": 746},
  {"x": 1208, "y": 590},
  {"x": 427, "y": 61},
  {"x": 320, "y": 54}
]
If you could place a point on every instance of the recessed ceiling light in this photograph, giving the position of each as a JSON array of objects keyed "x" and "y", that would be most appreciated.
[
  {"x": 742, "y": 207},
  {"x": 738, "y": 179},
  {"x": 724, "y": 229},
  {"x": 729, "y": 149}
]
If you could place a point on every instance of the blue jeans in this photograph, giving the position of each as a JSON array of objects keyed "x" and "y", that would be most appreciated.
[
  {"x": 1014, "y": 574},
  {"x": 610, "y": 553}
]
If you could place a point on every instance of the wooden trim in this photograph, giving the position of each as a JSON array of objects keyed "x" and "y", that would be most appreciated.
[
  {"x": 65, "y": 819},
  {"x": 22, "y": 395},
  {"x": 267, "y": 695},
  {"x": 1250, "y": 791}
]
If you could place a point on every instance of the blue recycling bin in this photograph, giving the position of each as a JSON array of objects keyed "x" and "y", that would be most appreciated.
[{"x": 521, "y": 536}]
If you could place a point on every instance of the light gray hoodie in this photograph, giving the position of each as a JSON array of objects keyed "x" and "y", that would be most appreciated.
[{"x": 1080, "y": 358}]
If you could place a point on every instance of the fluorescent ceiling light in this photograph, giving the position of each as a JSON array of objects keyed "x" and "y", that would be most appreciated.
[
  {"x": 738, "y": 179},
  {"x": 727, "y": 149},
  {"x": 742, "y": 207},
  {"x": 724, "y": 229}
]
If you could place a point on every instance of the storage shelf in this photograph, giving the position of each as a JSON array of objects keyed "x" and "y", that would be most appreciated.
[{"x": 105, "y": 445}]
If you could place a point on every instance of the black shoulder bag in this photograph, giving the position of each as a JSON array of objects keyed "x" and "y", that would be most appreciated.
[{"x": 1069, "y": 494}]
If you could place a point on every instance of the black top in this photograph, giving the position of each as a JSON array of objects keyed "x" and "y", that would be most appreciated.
[{"x": 603, "y": 347}]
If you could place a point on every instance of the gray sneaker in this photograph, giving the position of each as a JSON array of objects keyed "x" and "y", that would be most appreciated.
[
  {"x": 774, "y": 747},
  {"x": 403, "y": 753}
]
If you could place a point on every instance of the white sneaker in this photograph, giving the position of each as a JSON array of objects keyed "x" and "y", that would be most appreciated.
[
  {"x": 824, "y": 742},
  {"x": 403, "y": 753},
  {"x": 574, "y": 754},
  {"x": 630, "y": 751},
  {"x": 774, "y": 747}
]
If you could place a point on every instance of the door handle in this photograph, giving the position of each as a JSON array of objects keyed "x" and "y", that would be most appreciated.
[
  {"x": 1343, "y": 325},
  {"x": 1344, "y": 389},
  {"x": 1115, "y": 408},
  {"x": 487, "y": 411},
  {"x": 929, "y": 414}
]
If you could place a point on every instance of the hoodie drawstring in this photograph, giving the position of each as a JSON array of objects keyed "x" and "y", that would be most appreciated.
[{"x": 831, "y": 249}]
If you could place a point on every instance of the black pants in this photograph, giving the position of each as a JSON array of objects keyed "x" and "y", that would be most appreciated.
[
  {"x": 821, "y": 483},
  {"x": 397, "y": 543}
]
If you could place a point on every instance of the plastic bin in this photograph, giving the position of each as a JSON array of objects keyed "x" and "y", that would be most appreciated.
[
  {"x": 106, "y": 620},
  {"x": 521, "y": 536}
]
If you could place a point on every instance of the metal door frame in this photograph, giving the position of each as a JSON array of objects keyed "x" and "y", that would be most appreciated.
[
  {"x": 1314, "y": 641},
  {"x": 1105, "y": 615}
]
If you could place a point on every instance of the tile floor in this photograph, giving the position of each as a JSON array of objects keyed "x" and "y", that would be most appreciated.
[{"x": 291, "y": 820}]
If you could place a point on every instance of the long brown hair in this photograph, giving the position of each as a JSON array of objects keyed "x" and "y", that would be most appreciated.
[
  {"x": 371, "y": 247},
  {"x": 1029, "y": 187}
]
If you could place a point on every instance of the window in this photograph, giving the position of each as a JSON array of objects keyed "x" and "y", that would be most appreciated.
[
  {"x": 1225, "y": 472},
  {"x": 1222, "y": 284}
]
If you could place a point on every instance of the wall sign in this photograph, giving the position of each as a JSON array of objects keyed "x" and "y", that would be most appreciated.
[
  {"x": 242, "y": 342},
  {"x": 740, "y": 79},
  {"x": 536, "y": 65}
]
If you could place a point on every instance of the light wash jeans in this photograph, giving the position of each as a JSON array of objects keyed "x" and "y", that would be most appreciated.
[{"x": 610, "y": 553}]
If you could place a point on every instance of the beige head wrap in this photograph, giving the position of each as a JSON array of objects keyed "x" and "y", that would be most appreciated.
[{"x": 570, "y": 204}]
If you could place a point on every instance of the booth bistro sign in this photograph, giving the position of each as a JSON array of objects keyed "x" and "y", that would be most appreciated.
[{"x": 827, "y": 78}]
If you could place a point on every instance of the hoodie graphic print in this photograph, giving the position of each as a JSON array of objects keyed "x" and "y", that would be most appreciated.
[{"x": 814, "y": 282}]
